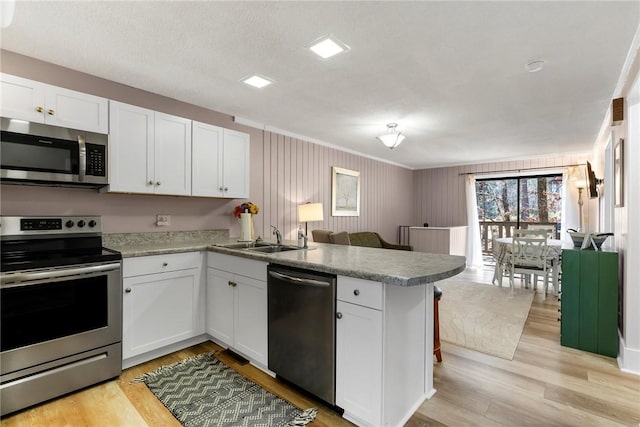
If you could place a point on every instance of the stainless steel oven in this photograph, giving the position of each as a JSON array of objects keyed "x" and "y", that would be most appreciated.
[
  {"x": 43, "y": 154},
  {"x": 61, "y": 309}
]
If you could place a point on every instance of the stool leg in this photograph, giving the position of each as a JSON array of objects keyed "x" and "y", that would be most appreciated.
[{"x": 436, "y": 330}]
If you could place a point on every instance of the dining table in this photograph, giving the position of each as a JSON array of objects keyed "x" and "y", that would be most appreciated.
[{"x": 554, "y": 248}]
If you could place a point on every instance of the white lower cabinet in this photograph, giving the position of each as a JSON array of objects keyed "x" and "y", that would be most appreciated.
[
  {"x": 237, "y": 305},
  {"x": 384, "y": 333},
  {"x": 163, "y": 301},
  {"x": 382, "y": 351},
  {"x": 359, "y": 362}
]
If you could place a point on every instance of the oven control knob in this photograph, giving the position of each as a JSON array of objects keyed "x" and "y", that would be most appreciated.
[
  {"x": 81, "y": 223},
  {"x": 92, "y": 223},
  {"x": 69, "y": 224}
]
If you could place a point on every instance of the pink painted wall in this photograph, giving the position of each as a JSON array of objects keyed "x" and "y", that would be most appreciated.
[
  {"x": 440, "y": 195},
  {"x": 296, "y": 172},
  {"x": 284, "y": 172}
]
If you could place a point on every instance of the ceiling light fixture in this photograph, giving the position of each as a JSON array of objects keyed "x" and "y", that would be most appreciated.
[
  {"x": 392, "y": 138},
  {"x": 328, "y": 46},
  {"x": 534, "y": 66},
  {"x": 257, "y": 81}
]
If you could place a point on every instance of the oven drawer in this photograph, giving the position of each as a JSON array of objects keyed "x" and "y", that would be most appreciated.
[
  {"x": 153, "y": 264},
  {"x": 34, "y": 385}
]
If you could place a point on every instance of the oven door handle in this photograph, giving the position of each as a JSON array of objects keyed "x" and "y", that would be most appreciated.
[{"x": 34, "y": 277}]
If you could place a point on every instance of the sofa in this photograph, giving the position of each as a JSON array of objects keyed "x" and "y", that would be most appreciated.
[{"x": 364, "y": 238}]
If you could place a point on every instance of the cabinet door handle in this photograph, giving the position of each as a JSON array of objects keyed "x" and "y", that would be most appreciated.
[
  {"x": 150, "y": 183},
  {"x": 158, "y": 183},
  {"x": 39, "y": 109},
  {"x": 339, "y": 315},
  {"x": 226, "y": 189},
  {"x": 128, "y": 290},
  {"x": 232, "y": 283},
  {"x": 221, "y": 189},
  {"x": 50, "y": 112},
  {"x": 356, "y": 292},
  {"x": 164, "y": 264}
]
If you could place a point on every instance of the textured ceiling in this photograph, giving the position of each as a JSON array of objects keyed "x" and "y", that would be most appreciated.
[{"x": 451, "y": 74}]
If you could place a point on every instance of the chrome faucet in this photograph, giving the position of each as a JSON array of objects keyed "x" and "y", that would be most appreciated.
[{"x": 278, "y": 235}]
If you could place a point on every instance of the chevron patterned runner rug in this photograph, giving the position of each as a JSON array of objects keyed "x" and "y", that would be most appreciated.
[{"x": 202, "y": 391}]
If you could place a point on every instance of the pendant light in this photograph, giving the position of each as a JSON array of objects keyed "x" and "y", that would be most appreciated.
[{"x": 392, "y": 138}]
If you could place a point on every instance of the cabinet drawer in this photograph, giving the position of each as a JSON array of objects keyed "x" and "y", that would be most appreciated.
[
  {"x": 160, "y": 263},
  {"x": 238, "y": 265},
  {"x": 361, "y": 292}
]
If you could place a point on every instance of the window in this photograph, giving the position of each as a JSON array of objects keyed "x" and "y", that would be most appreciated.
[{"x": 516, "y": 202}]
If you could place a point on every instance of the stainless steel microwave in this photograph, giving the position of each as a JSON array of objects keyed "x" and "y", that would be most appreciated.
[{"x": 34, "y": 153}]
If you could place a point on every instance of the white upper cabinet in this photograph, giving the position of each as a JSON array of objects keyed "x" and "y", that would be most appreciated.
[
  {"x": 131, "y": 143},
  {"x": 42, "y": 103},
  {"x": 172, "y": 155},
  {"x": 149, "y": 152},
  {"x": 220, "y": 162},
  {"x": 235, "y": 169},
  {"x": 206, "y": 160}
]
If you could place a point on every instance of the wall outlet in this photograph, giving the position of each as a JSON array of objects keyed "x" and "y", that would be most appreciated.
[{"x": 163, "y": 220}]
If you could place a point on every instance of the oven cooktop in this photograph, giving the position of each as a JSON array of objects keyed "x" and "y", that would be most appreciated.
[{"x": 43, "y": 242}]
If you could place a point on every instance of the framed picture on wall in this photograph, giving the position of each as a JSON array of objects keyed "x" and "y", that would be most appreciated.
[
  {"x": 345, "y": 192},
  {"x": 618, "y": 172}
]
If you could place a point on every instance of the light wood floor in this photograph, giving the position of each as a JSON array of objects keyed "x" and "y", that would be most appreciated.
[{"x": 544, "y": 385}]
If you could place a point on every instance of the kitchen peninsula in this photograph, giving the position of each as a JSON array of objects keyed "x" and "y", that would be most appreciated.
[{"x": 384, "y": 326}]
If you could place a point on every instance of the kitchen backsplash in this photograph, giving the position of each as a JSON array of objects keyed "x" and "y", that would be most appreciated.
[{"x": 121, "y": 239}]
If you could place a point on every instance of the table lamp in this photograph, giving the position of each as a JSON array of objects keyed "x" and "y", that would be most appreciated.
[{"x": 310, "y": 212}]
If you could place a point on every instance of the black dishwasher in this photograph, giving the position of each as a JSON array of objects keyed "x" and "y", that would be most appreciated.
[{"x": 302, "y": 329}]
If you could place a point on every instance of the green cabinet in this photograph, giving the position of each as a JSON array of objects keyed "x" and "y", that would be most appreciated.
[{"x": 590, "y": 301}]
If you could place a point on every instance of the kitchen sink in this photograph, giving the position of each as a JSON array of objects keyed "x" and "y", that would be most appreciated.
[
  {"x": 264, "y": 247},
  {"x": 247, "y": 245},
  {"x": 273, "y": 248}
]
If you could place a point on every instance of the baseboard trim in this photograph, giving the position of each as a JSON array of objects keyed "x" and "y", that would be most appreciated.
[
  {"x": 628, "y": 358},
  {"x": 153, "y": 354},
  {"x": 415, "y": 407}
]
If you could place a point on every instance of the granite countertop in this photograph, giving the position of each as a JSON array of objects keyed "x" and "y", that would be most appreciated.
[{"x": 395, "y": 267}]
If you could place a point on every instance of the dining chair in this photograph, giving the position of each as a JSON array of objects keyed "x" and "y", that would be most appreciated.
[
  {"x": 497, "y": 251},
  {"x": 550, "y": 229},
  {"x": 548, "y": 232},
  {"x": 530, "y": 255},
  {"x": 530, "y": 232},
  {"x": 527, "y": 232}
]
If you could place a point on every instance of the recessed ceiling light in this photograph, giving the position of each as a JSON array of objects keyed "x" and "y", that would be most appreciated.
[
  {"x": 257, "y": 81},
  {"x": 534, "y": 66},
  {"x": 328, "y": 46}
]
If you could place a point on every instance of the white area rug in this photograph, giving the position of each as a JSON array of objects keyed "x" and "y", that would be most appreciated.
[{"x": 483, "y": 317}]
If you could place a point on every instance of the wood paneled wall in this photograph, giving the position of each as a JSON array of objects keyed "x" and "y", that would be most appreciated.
[
  {"x": 294, "y": 171},
  {"x": 439, "y": 192}
]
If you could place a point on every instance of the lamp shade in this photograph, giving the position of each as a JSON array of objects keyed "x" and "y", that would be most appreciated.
[
  {"x": 392, "y": 138},
  {"x": 310, "y": 212}
]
